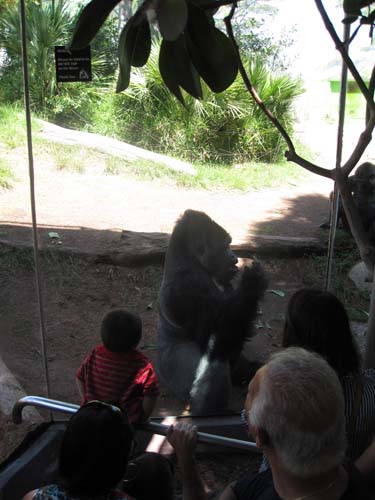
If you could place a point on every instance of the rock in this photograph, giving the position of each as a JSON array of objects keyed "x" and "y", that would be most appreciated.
[
  {"x": 108, "y": 145},
  {"x": 359, "y": 331},
  {"x": 358, "y": 274}
]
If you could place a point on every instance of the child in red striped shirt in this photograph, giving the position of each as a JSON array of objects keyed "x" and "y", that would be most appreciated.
[{"x": 116, "y": 371}]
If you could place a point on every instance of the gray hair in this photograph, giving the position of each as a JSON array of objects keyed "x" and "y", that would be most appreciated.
[{"x": 300, "y": 405}]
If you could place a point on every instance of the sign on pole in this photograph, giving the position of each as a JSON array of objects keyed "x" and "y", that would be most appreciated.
[{"x": 73, "y": 65}]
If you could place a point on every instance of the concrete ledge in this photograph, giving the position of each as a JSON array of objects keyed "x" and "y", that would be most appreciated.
[{"x": 130, "y": 248}]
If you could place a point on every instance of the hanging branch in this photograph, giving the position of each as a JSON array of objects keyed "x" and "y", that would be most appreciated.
[
  {"x": 366, "y": 135},
  {"x": 371, "y": 89},
  {"x": 291, "y": 154}
]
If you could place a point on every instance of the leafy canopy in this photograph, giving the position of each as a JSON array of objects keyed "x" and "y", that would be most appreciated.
[
  {"x": 192, "y": 47},
  {"x": 359, "y": 9}
]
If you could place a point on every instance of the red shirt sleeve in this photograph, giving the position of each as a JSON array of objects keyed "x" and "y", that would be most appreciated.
[{"x": 151, "y": 384}]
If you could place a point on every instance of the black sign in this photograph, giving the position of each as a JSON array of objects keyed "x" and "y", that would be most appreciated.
[{"x": 73, "y": 65}]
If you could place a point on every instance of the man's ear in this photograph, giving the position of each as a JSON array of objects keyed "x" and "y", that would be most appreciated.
[{"x": 262, "y": 438}]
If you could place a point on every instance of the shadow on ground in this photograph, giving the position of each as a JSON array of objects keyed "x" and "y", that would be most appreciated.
[
  {"x": 291, "y": 231},
  {"x": 301, "y": 216}
]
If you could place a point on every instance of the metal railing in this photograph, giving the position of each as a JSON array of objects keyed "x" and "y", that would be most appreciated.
[{"x": 151, "y": 426}]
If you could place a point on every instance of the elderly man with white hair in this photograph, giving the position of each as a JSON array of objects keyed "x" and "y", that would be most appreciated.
[{"x": 295, "y": 412}]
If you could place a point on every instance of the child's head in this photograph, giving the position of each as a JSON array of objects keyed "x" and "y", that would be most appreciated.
[{"x": 121, "y": 330}]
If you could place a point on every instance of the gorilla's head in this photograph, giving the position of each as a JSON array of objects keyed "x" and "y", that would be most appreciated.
[
  {"x": 204, "y": 242},
  {"x": 365, "y": 174}
]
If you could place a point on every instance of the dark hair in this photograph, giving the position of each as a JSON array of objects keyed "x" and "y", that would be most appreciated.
[
  {"x": 159, "y": 472},
  {"x": 317, "y": 320},
  {"x": 95, "y": 449},
  {"x": 121, "y": 330}
]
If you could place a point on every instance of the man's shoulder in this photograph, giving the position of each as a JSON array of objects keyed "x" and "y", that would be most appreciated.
[
  {"x": 255, "y": 486},
  {"x": 356, "y": 488}
]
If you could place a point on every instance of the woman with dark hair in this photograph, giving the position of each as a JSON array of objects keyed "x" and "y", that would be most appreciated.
[
  {"x": 317, "y": 320},
  {"x": 93, "y": 459},
  {"x": 93, "y": 456}
]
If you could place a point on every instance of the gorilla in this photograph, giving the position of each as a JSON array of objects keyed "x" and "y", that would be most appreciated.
[
  {"x": 364, "y": 197},
  {"x": 203, "y": 319},
  {"x": 362, "y": 186}
]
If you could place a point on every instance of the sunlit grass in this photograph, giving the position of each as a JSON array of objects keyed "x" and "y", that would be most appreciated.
[
  {"x": 80, "y": 159},
  {"x": 13, "y": 126},
  {"x": 6, "y": 174}
]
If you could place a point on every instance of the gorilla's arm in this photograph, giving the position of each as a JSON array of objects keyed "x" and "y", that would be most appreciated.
[
  {"x": 194, "y": 303},
  {"x": 238, "y": 313},
  {"x": 204, "y": 311}
]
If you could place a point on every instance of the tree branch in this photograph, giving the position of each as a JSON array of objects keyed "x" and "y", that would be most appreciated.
[
  {"x": 307, "y": 165},
  {"x": 366, "y": 135},
  {"x": 371, "y": 89},
  {"x": 291, "y": 154},
  {"x": 355, "y": 222},
  {"x": 363, "y": 141},
  {"x": 340, "y": 46}
]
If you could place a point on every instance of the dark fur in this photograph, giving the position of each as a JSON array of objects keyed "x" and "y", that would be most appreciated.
[
  {"x": 199, "y": 318},
  {"x": 364, "y": 197}
]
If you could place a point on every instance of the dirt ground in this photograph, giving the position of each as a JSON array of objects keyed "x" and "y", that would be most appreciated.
[
  {"x": 77, "y": 293},
  {"x": 90, "y": 210}
]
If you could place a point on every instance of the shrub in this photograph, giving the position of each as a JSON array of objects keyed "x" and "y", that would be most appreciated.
[
  {"x": 47, "y": 26},
  {"x": 226, "y": 127}
]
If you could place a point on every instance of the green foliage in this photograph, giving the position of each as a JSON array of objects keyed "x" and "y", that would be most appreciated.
[
  {"x": 207, "y": 50},
  {"x": 13, "y": 126},
  {"x": 253, "y": 29},
  {"x": 225, "y": 127},
  {"x": 242, "y": 177},
  {"x": 47, "y": 26}
]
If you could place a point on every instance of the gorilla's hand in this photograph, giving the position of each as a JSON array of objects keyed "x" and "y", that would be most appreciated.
[{"x": 253, "y": 281}]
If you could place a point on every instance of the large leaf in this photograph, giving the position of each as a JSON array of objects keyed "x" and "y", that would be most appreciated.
[
  {"x": 212, "y": 53},
  {"x": 141, "y": 43},
  {"x": 175, "y": 58},
  {"x": 172, "y": 17},
  {"x": 167, "y": 71},
  {"x": 90, "y": 21},
  {"x": 352, "y": 7},
  {"x": 134, "y": 48}
]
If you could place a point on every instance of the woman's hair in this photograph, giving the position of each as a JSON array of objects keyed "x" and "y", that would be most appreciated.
[
  {"x": 317, "y": 320},
  {"x": 95, "y": 449}
]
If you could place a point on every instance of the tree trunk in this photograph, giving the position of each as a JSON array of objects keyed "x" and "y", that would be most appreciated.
[
  {"x": 355, "y": 223},
  {"x": 367, "y": 254}
]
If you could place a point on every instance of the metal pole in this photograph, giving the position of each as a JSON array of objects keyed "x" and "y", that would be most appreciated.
[
  {"x": 150, "y": 426},
  {"x": 336, "y": 194},
  {"x": 32, "y": 193}
]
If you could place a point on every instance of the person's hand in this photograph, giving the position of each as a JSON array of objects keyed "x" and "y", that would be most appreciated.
[{"x": 183, "y": 438}]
